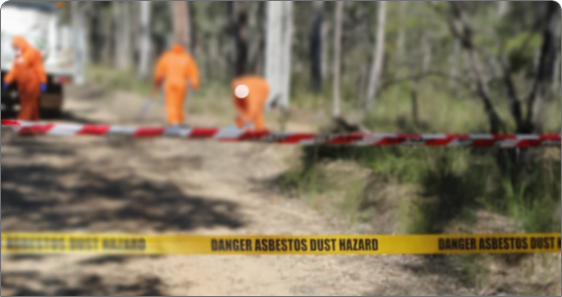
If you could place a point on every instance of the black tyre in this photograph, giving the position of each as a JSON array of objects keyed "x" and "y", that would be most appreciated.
[{"x": 10, "y": 103}]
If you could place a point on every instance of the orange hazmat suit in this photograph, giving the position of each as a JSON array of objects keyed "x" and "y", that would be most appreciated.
[
  {"x": 250, "y": 94},
  {"x": 173, "y": 69},
  {"x": 29, "y": 74}
]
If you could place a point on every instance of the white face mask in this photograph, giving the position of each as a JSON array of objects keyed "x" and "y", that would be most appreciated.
[
  {"x": 17, "y": 52},
  {"x": 242, "y": 91}
]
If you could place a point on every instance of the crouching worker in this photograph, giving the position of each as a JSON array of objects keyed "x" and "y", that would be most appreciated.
[
  {"x": 250, "y": 95},
  {"x": 28, "y": 72},
  {"x": 173, "y": 71}
]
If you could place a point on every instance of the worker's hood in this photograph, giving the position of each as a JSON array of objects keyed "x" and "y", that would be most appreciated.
[
  {"x": 178, "y": 49},
  {"x": 20, "y": 44}
]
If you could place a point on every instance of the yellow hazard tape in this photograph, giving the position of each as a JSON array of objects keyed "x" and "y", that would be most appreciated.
[{"x": 278, "y": 245}]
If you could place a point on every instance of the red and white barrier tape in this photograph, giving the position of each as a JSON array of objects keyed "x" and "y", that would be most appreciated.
[{"x": 356, "y": 139}]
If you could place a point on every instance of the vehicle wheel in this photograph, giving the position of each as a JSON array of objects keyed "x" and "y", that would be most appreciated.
[{"x": 10, "y": 102}]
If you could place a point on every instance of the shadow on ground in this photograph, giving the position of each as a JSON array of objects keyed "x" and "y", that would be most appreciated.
[
  {"x": 42, "y": 191},
  {"x": 30, "y": 283},
  {"x": 41, "y": 197}
]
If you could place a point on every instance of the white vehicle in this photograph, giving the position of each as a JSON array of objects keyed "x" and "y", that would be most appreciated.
[{"x": 38, "y": 23}]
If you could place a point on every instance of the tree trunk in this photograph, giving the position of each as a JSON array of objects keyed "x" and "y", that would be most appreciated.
[
  {"x": 479, "y": 75},
  {"x": 278, "y": 50},
  {"x": 545, "y": 68},
  {"x": 87, "y": 9},
  {"x": 503, "y": 8},
  {"x": 116, "y": 13},
  {"x": 557, "y": 80},
  {"x": 337, "y": 57},
  {"x": 134, "y": 8},
  {"x": 325, "y": 46},
  {"x": 401, "y": 40},
  {"x": 414, "y": 99},
  {"x": 123, "y": 53},
  {"x": 378, "y": 55},
  {"x": 127, "y": 50},
  {"x": 144, "y": 36},
  {"x": 192, "y": 27},
  {"x": 107, "y": 32},
  {"x": 79, "y": 37},
  {"x": 257, "y": 37},
  {"x": 181, "y": 21},
  {"x": 241, "y": 36},
  {"x": 100, "y": 34},
  {"x": 316, "y": 45}
]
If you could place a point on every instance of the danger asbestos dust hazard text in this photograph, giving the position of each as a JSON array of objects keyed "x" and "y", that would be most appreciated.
[{"x": 278, "y": 245}]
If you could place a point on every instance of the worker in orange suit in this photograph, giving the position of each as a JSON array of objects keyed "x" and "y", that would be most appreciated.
[
  {"x": 28, "y": 72},
  {"x": 173, "y": 71},
  {"x": 250, "y": 95}
]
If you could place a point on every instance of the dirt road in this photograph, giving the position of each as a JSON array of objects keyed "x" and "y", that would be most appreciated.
[{"x": 92, "y": 184}]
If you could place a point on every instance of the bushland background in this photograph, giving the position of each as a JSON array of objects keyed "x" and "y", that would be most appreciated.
[{"x": 412, "y": 67}]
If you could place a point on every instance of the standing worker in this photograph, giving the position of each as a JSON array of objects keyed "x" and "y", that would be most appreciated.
[
  {"x": 173, "y": 70},
  {"x": 29, "y": 74},
  {"x": 250, "y": 94}
]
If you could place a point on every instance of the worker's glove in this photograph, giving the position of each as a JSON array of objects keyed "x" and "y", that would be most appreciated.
[
  {"x": 5, "y": 85},
  {"x": 43, "y": 88}
]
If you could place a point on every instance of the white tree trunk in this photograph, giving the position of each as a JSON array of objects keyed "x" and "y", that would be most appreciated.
[
  {"x": 337, "y": 57},
  {"x": 79, "y": 41},
  {"x": 123, "y": 53},
  {"x": 401, "y": 40},
  {"x": 378, "y": 55},
  {"x": 325, "y": 51},
  {"x": 145, "y": 42},
  {"x": 503, "y": 8},
  {"x": 278, "y": 50}
]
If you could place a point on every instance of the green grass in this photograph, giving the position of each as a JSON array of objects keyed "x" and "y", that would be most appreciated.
[
  {"x": 451, "y": 182},
  {"x": 114, "y": 79},
  {"x": 330, "y": 189}
]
